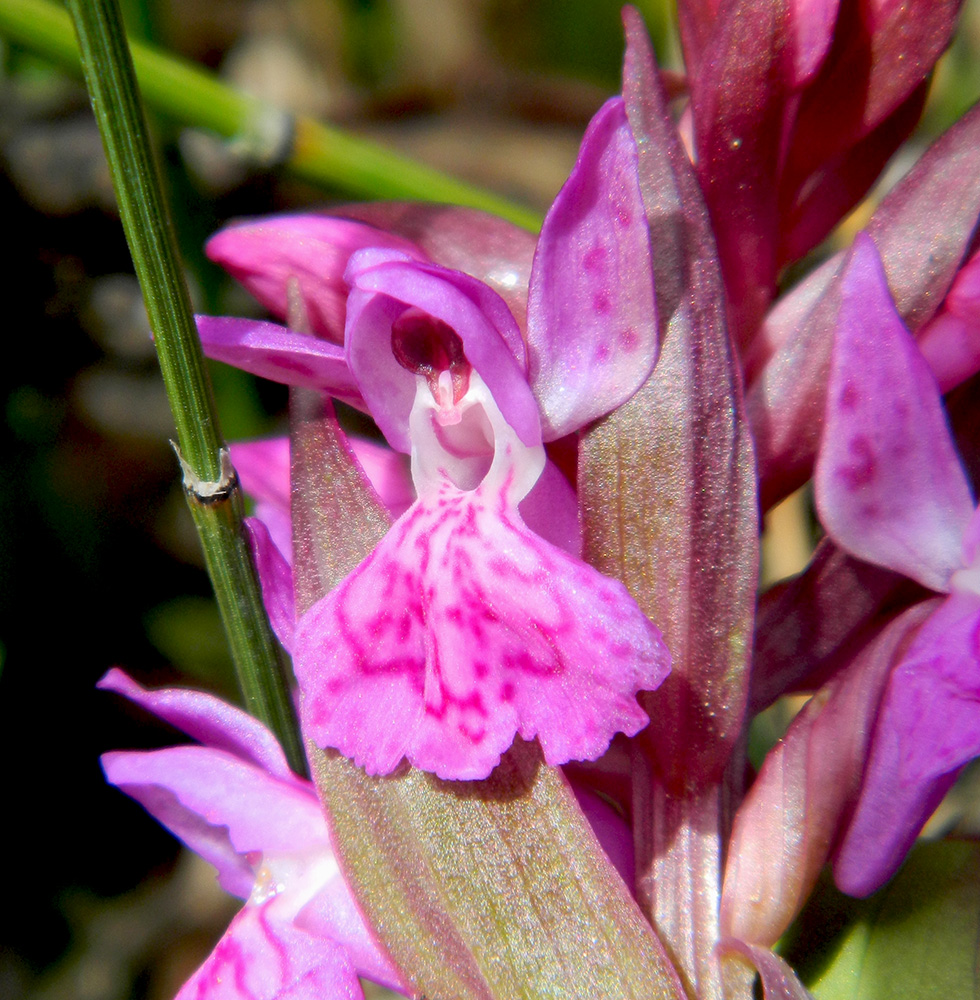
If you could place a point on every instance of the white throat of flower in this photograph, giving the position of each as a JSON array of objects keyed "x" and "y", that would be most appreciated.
[
  {"x": 293, "y": 878},
  {"x": 467, "y": 443}
]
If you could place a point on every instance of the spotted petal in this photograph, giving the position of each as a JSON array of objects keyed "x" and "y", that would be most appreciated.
[
  {"x": 462, "y": 629},
  {"x": 890, "y": 487},
  {"x": 592, "y": 325},
  {"x": 262, "y": 958}
]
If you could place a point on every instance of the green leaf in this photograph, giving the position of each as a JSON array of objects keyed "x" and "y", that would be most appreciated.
[{"x": 916, "y": 939}]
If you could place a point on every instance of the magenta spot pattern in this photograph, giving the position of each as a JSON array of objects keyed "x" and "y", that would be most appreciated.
[
  {"x": 464, "y": 628},
  {"x": 261, "y": 958}
]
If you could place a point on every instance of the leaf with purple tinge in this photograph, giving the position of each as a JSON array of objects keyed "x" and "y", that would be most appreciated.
[
  {"x": 675, "y": 463},
  {"x": 667, "y": 488},
  {"x": 592, "y": 271},
  {"x": 792, "y": 816},
  {"x": 779, "y": 982},
  {"x": 928, "y": 728},
  {"x": 889, "y": 485},
  {"x": 739, "y": 100},
  {"x": 922, "y": 230},
  {"x": 839, "y": 183},
  {"x": 805, "y": 626}
]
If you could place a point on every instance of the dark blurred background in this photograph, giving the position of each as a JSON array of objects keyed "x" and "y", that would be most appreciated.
[{"x": 99, "y": 564}]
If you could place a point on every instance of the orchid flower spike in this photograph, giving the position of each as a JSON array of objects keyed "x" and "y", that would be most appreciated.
[{"x": 464, "y": 627}]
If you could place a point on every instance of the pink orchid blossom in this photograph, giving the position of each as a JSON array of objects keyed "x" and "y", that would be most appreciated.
[
  {"x": 235, "y": 802},
  {"x": 465, "y": 627},
  {"x": 891, "y": 490}
]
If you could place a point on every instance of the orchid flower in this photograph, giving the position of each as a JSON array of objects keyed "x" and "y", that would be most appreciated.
[
  {"x": 891, "y": 490},
  {"x": 465, "y": 628},
  {"x": 234, "y": 800}
]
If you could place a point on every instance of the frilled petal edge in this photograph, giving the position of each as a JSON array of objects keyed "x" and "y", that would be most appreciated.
[{"x": 463, "y": 629}]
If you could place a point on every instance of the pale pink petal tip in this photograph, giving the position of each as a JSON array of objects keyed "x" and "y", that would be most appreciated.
[
  {"x": 205, "y": 718},
  {"x": 464, "y": 629},
  {"x": 262, "y": 958}
]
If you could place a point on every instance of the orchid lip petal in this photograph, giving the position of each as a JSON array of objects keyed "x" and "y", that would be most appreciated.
[
  {"x": 890, "y": 487},
  {"x": 592, "y": 325},
  {"x": 386, "y": 665}
]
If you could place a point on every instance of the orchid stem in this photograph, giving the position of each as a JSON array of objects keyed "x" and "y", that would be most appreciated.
[
  {"x": 262, "y": 133},
  {"x": 209, "y": 481}
]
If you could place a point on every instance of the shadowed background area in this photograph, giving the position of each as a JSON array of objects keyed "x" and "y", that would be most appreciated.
[{"x": 99, "y": 565}]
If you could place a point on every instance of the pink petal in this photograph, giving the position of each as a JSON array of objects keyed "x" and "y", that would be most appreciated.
[
  {"x": 262, "y": 958},
  {"x": 263, "y": 470},
  {"x": 551, "y": 511},
  {"x": 950, "y": 341},
  {"x": 462, "y": 629},
  {"x": 206, "y": 719},
  {"x": 383, "y": 286},
  {"x": 890, "y": 487},
  {"x": 210, "y": 841},
  {"x": 592, "y": 323},
  {"x": 275, "y": 579},
  {"x": 388, "y": 472},
  {"x": 611, "y": 830},
  {"x": 187, "y": 786},
  {"x": 277, "y": 353},
  {"x": 308, "y": 251},
  {"x": 928, "y": 728}
]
